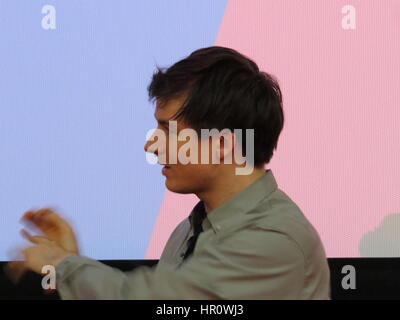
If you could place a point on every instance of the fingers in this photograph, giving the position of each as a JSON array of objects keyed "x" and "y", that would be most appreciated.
[
  {"x": 38, "y": 215},
  {"x": 52, "y": 226},
  {"x": 45, "y": 218},
  {"x": 35, "y": 239},
  {"x": 28, "y": 215}
]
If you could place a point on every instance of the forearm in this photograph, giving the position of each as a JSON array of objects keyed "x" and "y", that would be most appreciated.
[
  {"x": 84, "y": 278},
  {"x": 79, "y": 277}
]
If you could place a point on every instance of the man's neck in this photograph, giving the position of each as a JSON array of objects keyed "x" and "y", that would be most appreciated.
[{"x": 227, "y": 187}]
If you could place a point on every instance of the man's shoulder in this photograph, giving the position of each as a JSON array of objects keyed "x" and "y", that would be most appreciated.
[{"x": 279, "y": 213}]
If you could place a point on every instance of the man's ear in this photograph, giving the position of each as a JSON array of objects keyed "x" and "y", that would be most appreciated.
[{"x": 226, "y": 147}]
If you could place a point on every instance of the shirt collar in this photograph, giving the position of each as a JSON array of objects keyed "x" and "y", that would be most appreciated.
[{"x": 240, "y": 203}]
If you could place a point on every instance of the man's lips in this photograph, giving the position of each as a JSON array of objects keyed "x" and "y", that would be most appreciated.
[{"x": 165, "y": 169}]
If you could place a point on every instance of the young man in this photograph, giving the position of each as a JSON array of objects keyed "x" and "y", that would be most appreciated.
[{"x": 245, "y": 239}]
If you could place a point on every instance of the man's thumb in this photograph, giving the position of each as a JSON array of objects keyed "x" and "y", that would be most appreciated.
[{"x": 35, "y": 239}]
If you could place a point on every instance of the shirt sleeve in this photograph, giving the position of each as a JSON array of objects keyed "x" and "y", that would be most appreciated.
[{"x": 250, "y": 264}]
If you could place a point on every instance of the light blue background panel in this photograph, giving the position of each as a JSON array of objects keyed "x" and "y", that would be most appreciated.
[{"x": 74, "y": 113}]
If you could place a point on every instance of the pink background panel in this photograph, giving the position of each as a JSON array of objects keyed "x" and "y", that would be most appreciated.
[{"x": 339, "y": 153}]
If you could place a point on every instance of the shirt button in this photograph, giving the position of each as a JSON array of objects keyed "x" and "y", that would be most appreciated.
[{"x": 218, "y": 227}]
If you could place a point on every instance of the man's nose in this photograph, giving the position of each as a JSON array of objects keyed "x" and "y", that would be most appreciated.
[{"x": 147, "y": 147}]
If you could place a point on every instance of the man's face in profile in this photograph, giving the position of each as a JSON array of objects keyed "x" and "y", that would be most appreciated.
[{"x": 180, "y": 178}]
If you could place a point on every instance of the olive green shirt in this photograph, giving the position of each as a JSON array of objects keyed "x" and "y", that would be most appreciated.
[{"x": 257, "y": 245}]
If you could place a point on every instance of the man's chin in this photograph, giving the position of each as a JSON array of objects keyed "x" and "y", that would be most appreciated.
[{"x": 177, "y": 189}]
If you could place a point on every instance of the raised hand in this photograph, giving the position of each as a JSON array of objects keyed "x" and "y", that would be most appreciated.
[{"x": 54, "y": 227}]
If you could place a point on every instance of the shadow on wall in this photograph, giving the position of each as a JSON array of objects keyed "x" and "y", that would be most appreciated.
[{"x": 383, "y": 241}]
